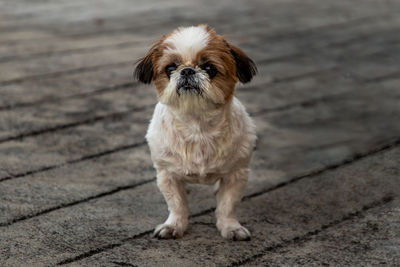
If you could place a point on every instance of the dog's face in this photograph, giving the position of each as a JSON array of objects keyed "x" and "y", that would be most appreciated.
[{"x": 194, "y": 68}]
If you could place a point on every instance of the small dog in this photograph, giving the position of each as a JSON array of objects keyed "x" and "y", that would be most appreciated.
[{"x": 200, "y": 132}]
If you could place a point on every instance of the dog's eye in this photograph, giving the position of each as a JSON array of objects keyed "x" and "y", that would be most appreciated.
[
  {"x": 210, "y": 69},
  {"x": 169, "y": 69}
]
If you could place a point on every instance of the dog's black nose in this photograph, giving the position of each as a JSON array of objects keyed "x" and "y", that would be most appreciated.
[{"x": 187, "y": 72}]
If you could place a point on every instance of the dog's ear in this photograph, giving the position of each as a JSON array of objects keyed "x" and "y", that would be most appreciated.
[
  {"x": 144, "y": 70},
  {"x": 245, "y": 67}
]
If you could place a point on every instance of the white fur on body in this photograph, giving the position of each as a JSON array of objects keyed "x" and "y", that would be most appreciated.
[{"x": 204, "y": 146}]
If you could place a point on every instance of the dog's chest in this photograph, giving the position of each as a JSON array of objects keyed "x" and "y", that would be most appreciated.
[
  {"x": 198, "y": 153},
  {"x": 192, "y": 151}
]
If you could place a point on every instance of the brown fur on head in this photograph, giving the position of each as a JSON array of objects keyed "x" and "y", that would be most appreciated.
[{"x": 211, "y": 67}]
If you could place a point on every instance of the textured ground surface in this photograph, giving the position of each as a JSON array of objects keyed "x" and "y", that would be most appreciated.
[{"x": 76, "y": 181}]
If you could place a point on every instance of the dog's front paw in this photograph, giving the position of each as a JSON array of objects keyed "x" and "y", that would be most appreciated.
[
  {"x": 235, "y": 232},
  {"x": 168, "y": 231}
]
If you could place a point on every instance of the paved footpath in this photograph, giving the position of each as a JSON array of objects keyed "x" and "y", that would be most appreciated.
[{"x": 77, "y": 187}]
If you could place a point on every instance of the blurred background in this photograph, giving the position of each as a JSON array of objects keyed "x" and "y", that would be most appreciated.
[{"x": 76, "y": 180}]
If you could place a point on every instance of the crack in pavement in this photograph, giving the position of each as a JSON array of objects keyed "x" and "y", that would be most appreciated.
[
  {"x": 356, "y": 157},
  {"x": 81, "y": 159},
  {"x": 76, "y": 202},
  {"x": 303, "y": 238}
]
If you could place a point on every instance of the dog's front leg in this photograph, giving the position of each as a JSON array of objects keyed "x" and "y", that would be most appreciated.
[
  {"x": 174, "y": 192},
  {"x": 228, "y": 196}
]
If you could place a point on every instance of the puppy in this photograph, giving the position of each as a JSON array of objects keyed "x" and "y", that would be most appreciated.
[{"x": 200, "y": 132}]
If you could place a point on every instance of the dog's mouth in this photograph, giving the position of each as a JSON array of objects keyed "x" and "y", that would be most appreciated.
[{"x": 188, "y": 86}]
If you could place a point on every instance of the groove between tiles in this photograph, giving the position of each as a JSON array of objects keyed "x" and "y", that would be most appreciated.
[{"x": 312, "y": 174}]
